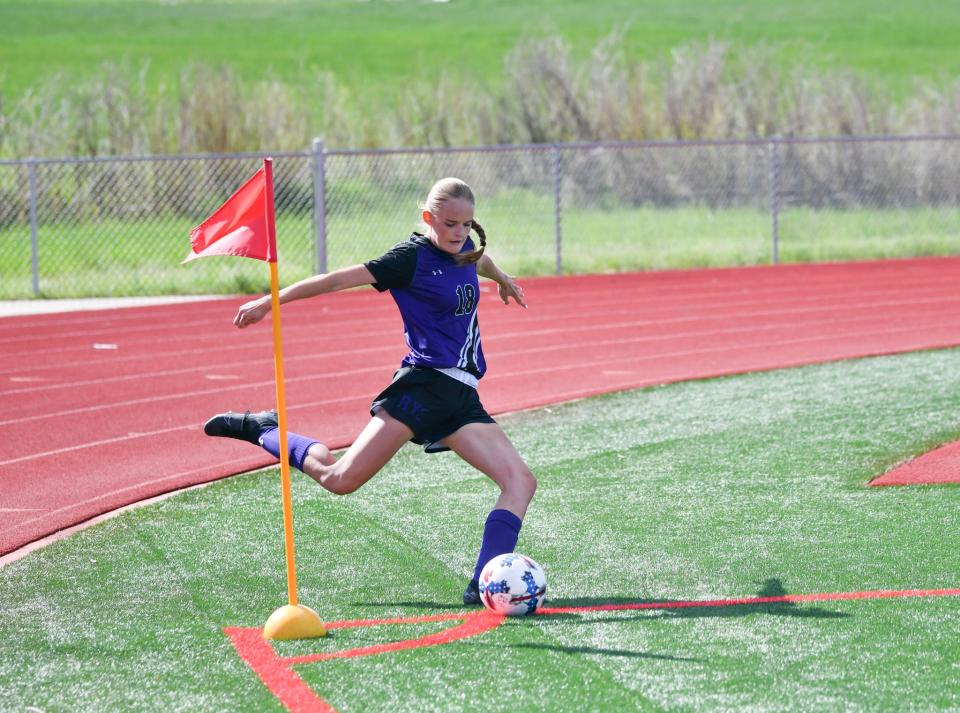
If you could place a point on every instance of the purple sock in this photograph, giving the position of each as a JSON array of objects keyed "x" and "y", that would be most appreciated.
[
  {"x": 500, "y": 535},
  {"x": 297, "y": 446}
]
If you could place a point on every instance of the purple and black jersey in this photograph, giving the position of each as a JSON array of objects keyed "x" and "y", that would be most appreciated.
[{"x": 438, "y": 303}]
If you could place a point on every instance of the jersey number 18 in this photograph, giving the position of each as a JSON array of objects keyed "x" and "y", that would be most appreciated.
[{"x": 466, "y": 299}]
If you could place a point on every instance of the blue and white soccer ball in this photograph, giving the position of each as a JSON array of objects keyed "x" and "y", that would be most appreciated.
[{"x": 512, "y": 584}]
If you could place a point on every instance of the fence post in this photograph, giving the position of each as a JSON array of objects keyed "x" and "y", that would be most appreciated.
[
  {"x": 320, "y": 205},
  {"x": 774, "y": 202},
  {"x": 557, "y": 183},
  {"x": 34, "y": 245}
]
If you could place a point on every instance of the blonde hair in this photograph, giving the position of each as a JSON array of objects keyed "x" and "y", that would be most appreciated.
[{"x": 442, "y": 191}]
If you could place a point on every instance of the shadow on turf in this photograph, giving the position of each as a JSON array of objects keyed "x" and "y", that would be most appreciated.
[
  {"x": 602, "y": 652},
  {"x": 772, "y": 587},
  {"x": 428, "y": 607}
]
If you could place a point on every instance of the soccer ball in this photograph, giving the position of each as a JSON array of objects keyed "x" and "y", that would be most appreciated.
[{"x": 512, "y": 584}]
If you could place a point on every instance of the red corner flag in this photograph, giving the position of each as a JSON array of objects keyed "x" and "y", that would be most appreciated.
[{"x": 240, "y": 227}]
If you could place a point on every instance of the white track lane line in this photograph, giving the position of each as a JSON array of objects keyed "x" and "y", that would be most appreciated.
[
  {"x": 526, "y": 334},
  {"x": 529, "y": 372}
]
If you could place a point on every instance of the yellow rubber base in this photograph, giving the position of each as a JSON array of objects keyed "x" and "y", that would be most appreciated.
[{"x": 294, "y": 622}]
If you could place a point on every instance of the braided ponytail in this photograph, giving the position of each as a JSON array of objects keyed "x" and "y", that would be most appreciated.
[{"x": 473, "y": 255}]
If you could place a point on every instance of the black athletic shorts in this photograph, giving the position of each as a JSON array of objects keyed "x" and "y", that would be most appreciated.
[{"x": 432, "y": 404}]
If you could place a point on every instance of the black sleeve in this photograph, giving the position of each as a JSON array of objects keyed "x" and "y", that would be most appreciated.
[{"x": 395, "y": 268}]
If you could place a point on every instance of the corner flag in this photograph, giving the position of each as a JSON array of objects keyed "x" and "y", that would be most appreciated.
[
  {"x": 244, "y": 226},
  {"x": 238, "y": 227}
]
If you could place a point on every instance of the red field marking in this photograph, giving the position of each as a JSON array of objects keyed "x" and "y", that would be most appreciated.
[
  {"x": 277, "y": 674},
  {"x": 103, "y": 428},
  {"x": 939, "y": 466},
  {"x": 279, "y": 678}
]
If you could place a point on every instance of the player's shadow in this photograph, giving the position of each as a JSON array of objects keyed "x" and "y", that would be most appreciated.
[
  {"x": 653, "y": 609},
  {"x": 657, "y": 608},
  {"x": 593, "y": 650},
  {"x": 772, "y": 598},
  {"x": 428, "y": 607}
]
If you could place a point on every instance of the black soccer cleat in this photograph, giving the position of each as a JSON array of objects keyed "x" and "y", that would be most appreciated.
[
  {"x": 471, "y": 595},
  {"x": 243, "y": 426}
]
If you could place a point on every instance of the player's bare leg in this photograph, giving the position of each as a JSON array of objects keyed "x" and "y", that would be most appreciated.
[
  {"x": 486, "y": 447},
  {"x": 377, "y": 443}
]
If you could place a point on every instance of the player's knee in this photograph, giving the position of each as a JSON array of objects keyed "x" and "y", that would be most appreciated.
[
  {"x": 343, "y": 480},
  {"x": 531, "y": 484},
  {"x": 523, "y": 483},
  {"x": 339, "y": 488},
  {"x": 339, "y": 485}
]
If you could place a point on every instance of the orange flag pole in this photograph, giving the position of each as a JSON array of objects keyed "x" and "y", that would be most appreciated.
[
  {"x": 284, "y": 453},
  {"x": 293, "y": 621}
]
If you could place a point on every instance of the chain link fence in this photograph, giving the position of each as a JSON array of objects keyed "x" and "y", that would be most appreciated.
[{"x": 120, "y": 226}]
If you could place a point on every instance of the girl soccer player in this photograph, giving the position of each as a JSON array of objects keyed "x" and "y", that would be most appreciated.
[{"x": 433, "y": 397}]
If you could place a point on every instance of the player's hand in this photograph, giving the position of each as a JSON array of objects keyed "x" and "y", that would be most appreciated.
[
  {"x": 508, "y": 288},
  {"x": 252, "y": 312}
]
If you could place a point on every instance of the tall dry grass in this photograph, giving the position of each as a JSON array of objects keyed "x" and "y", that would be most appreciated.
[{"x": 547, "y": 94}]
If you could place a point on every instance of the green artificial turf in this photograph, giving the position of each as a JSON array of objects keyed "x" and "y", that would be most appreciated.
[{"x": 725, "y": 488}]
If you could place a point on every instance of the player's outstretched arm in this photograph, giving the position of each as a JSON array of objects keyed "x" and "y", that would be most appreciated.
[
  {"x": 342, "y": 279},
  {"x": 507, "y": 288}
]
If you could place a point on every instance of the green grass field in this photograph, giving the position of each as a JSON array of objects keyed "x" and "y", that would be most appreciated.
[
  {"x": 703, "y": 490},
  {"x": 376, "y": 48},
  {"x": 76, "y": 261}
]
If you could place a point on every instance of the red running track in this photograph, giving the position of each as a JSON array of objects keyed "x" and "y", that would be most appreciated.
[{"x": 102, "y": 409}]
